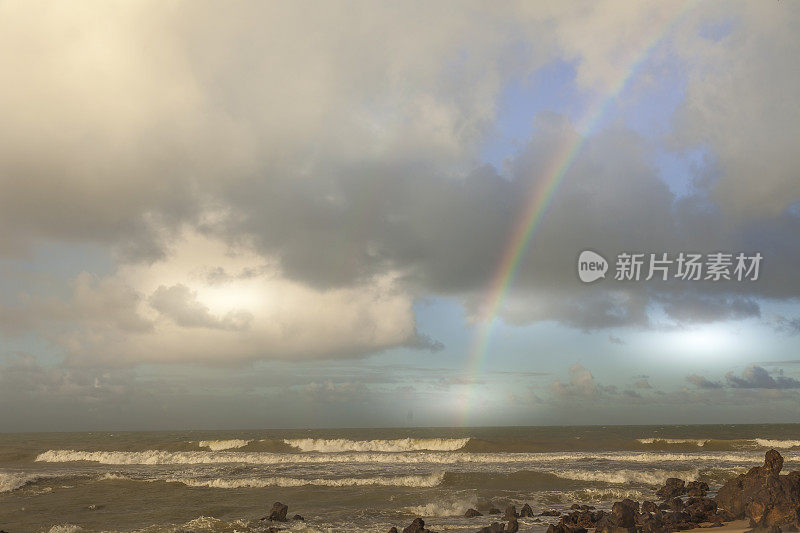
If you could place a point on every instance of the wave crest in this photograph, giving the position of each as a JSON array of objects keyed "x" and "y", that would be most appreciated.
[
  {"x": 396, "y": 445},
  {"x": 431, "y": 480},
  {"x": 217, "y": 445}
]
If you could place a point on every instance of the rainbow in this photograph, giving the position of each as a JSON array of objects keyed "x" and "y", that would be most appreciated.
[{"x": 537, "y": 204}]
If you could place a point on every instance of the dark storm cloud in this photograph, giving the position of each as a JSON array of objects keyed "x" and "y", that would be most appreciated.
[
  {"x": 756, "y": 377},
  {"x": 702, "y": 383},
  {"x": 787, "y": 325},
  {"x": 362, "y": 160}
]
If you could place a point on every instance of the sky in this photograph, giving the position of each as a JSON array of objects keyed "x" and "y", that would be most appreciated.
[{"x": 369, "y": 214}]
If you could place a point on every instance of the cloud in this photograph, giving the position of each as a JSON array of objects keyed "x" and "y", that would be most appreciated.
[
  {"x": 352, "y": 185},
  {"x": 756, "y": 377},
  {"x": 168, "y": 311},
  {"x": 581, "y": 384},
  {"x": 615, "y": 340},
  {"x": 702, "y": 383},
  {"x": 787, "y": 325},
  {"x": 180, "y": 303}
]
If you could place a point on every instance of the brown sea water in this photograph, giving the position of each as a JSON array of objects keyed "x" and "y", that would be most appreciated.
[{"x": 354, "y": 479}]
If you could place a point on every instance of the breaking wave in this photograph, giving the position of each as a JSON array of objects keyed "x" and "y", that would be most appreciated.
[
  {"x": 626, "y": 476},
  {"x": 396, "y": 445},
  {"x": 657, "y": 440},
  {"x": 217, "y": 445},
  {"x": 431, "y": 480},
  {"x": 783, "y": 444},
  {"x": 154, "y": 457},
  {"x": 13, "y": 480}
]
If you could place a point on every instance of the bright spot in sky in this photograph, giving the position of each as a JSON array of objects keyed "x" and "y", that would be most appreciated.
[
  {"x": 708, "y": 341},
  {"x": 222, "y": 299}
]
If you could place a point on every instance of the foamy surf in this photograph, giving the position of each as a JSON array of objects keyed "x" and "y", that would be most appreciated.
[
  {"x": 218, "y": 445},
  {"x": 658, "y": 440},
  {"x": 432, "y": 480},
  {"x": 156, "y": 457},
  {"x": 14, "y": 480},
  {"x": 781, "y": 444},
  {"x": 396, "y": 445}
]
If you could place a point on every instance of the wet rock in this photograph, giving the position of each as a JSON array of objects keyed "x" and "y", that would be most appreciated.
[
  {"x": 512, "y": 526},
  {"x": 494, "y": 510},
  {"x": 527, "y": 512},
  {"x": 471, "y": 513},
  {"x": 417, "y": 526},
  {"x": 392, "y": 529},
  {"x": 511, "y": 512},
  {"x": 763, "y": 495},
  {"x": 672, "y": 488},
  {"x": 278, "y": 512},
  {"x": 697, "y": 489},
  {"x": 562, "y": 528},
  {"x": 624, "y": 513},
  {"x": 298, "y": 517},
  {"x": 649, "y": 507}
]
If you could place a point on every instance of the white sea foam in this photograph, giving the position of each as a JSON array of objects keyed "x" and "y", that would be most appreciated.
[
  {"x": 646, "y": 477},
  {"x": 65, "y": 528},
  {"x": 653, "y": 440},
  {"x": 431, "y": 480},
  {"x": 153, "y": 457},
  {"x": 13, "y": 480},
  {"x": 443, "y": 508},
  {"x": 396, "y": 445},
  {"x": 783, "y": 444},
  {"x": 217, "y": 445}
]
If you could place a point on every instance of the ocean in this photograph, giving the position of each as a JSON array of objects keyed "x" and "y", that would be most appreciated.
[{"x": 355, "y": 479}]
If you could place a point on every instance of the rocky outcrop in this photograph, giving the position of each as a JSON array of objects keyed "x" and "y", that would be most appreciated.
[
  {"x": 417, "y": 526},
  {"x": 629, "y": 517},
  {"x": 511, "y": 512},
  {"x": 763, "y": 495},
  {"x": 672, "y": 488},
  {"x": 472, "y": 513},
  {"x": 512, "y": 526},
  {"x": 277, "y": 513},
  {"x": 526, "y": 511}
]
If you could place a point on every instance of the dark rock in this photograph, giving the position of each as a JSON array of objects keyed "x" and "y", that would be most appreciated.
[
  {"x": 672, "y": 488},
  {"x": 624, "y": 513},
  {"x": 583, "y": 519},
  {"x": 527, "y": 512},
  {"x": 417, "y": 526},
  {"x": 649, "y": 507},
  {"x": 471, "y": 513},
  {"x": 763, "y": 495},
  {"x": 392, "y": 529},
  {"x": 494, "y": 510},
  {"x": 562, "y": 528},
  {"x": 549, "y": 512},
  {"x": 278, "y": 512},
  {"x": 298, "y": 517},
  {"x": 493, "y": 528},
  {"x": 511, "y": 512},
  {"x": 575, "y": 506},
  {"x": 697, "y": 489},
  {"x": 512, "y": 526}
]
